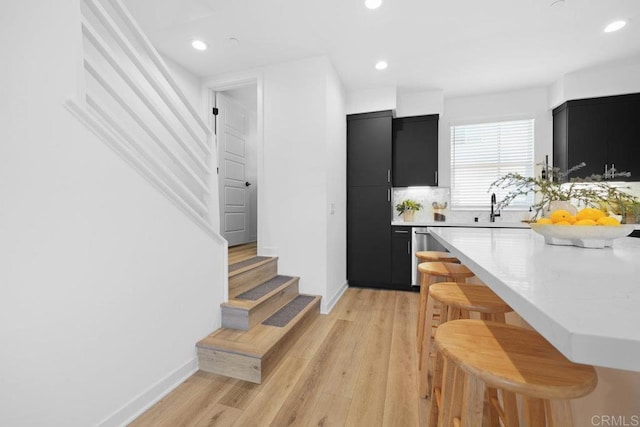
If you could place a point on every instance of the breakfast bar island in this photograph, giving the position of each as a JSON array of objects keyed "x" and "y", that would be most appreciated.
[{"x": 585, "y": 302}]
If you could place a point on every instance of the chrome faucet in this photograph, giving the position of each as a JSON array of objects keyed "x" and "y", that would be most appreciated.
[{"x": 493, "y": 215}]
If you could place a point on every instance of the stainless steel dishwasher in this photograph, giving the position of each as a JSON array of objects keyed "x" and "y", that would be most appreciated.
[{"x": 421, "y": 240}]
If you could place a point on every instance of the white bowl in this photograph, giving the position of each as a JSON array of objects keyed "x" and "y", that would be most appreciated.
[{"x": 597, "y": 236}]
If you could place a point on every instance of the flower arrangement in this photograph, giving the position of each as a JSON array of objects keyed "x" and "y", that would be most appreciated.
[{"x": 591, "y": 191}]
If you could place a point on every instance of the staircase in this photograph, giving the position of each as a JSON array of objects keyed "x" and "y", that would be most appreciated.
[{"x": 256, "y": 331}]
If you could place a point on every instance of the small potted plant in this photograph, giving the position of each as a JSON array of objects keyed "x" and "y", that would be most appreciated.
[{"x": 407, "y": 209}]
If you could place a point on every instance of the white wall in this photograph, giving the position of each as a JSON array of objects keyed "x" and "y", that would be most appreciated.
[
  {"x": 106, "y": 286},
  {"x": 304, "y": 146},
  {"x": 293, "y": 196},
  {"x": 190, "y": 84},
  {"x": 611, "y": 79},
  {"x": 336, "y": 178},
  {"x": 420, "y": 103},
  {"x": 514, "y": 105},
  {"x": 365, "y": 101}
]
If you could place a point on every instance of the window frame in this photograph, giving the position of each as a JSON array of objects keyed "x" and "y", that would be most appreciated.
[{"x": 522, "y": 206}]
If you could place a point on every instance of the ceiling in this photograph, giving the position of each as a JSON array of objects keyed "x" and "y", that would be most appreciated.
[{"x": 459, "y": 46}]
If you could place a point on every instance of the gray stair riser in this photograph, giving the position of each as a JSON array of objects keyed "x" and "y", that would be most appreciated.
[
  {"x": 251, "y": 278},
  {"x": 235, "y": 318},
  {"x": 239, "y": 318}
]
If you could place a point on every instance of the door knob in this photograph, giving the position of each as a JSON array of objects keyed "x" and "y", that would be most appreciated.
[{"x": 246, "y": 184}]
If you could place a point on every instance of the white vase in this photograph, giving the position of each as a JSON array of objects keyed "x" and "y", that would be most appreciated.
[{"x": 407, "y": 216}]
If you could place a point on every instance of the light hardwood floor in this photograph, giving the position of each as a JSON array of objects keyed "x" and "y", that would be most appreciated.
[
  {"x": 354, "y": 367},
  {"x": 242, "y": 252}
]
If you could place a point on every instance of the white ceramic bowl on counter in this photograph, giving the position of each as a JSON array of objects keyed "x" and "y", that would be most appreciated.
[{"x": 583, "y": 236}]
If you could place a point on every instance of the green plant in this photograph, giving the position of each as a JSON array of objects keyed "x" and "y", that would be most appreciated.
[
  {"x": 408, "y": 205},
  {"x": 589, "y": 191},
  {"x": 632, "y": 213},
  {"x": 629, "y": 210}
]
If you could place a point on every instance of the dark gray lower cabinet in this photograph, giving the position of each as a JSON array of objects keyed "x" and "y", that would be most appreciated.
[
  {"x": 401, "y": 257},
  {"x": 369, "y": 236}
]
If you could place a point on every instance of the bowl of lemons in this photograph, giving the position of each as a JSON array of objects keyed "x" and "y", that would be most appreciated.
[{"x": 589, "y": 228}]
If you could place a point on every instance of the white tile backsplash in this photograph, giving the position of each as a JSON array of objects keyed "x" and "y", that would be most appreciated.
[
  {"x": 429, "y": 195},
  {"x": 423, "y": 195}
]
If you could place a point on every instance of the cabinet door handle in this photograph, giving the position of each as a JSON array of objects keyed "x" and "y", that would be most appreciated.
[
  {"x": 606, "y": 172},
  {"x": 388, "y": 194},
  {"x": 401, "y": 232},
  {"x": 409, "y": 248},
  {"x": 612, "y": 171},
  {"x": 436, "y": 174},
  {"x": 388, "y": 175}
]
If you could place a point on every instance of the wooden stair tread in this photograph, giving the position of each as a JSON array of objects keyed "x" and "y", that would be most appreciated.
[
  {"x": 249, "y": 264},
  {"x": 243, "y": 304},
  {"x": 255, "y": 342}
]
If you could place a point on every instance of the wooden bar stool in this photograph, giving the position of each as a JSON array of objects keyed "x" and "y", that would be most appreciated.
[
  {"x": 432, "y": 272},
  {"x": 434, "y": 256},
  {"x": 456, "y": 302},
  {"x": 476, "y": 355}
]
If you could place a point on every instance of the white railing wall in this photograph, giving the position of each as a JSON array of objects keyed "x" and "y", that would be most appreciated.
[{"x": 132, "y": 102}]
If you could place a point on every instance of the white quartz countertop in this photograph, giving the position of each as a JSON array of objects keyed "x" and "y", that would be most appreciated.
[
  {"x": 498, "y": 224},
  {"x": 586, "y": 302}
]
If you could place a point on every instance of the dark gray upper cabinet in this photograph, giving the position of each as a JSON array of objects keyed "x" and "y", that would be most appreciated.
[
  {"x": 369, "y": 149},
  {"x": 415, "y": 151},
  {"x": 624, "y": 136},
  {"x": 602, "y": 132}
]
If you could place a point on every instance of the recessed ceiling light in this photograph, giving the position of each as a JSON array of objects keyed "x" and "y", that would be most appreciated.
[
  {"x": 199, "y": 45},
  {"x": 381, "y": 65},
  {"x": 373, "y": 4},
  {"x": 615, "y": 26}
]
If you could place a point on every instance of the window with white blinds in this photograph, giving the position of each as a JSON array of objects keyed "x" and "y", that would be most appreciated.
[{"x": 481, "y": 153}]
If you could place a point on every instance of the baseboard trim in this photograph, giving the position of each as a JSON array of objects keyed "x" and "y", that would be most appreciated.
[
  {"x": 136, "y": 406},
  {"x": 331, "y": 302}
]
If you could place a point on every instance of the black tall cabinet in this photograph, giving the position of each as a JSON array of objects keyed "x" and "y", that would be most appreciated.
[
  {"x": 602, "y": 132},
  {"x": 369, "y": 160}
]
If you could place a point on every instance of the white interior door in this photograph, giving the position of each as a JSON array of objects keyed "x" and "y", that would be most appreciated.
[{"x": 232, "y": 154}]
